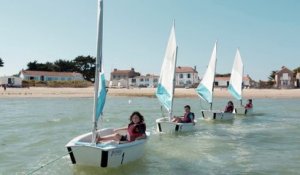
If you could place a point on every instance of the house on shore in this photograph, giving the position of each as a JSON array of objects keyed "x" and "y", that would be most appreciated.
[
  {"x": 11, "y": 81},
  {"x": 144, "y": 81},
  {"x": 50, "y": 76},
  {"x": 223, "y": 81},
  {"x": 284, "y": 78},
  {"x": 120, "y": 78},
  {"x": 186, "y": 76}
]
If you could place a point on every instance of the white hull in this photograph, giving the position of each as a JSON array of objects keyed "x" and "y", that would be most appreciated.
[
  {"x": 216, "y": 115},
  {"x": 164, "y": 125},
  {"x": 83, "y": 152},
  {"x": 243, "y": 111}
]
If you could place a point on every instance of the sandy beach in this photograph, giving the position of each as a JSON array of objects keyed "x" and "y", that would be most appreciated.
[{"x": 140, "y": 92}]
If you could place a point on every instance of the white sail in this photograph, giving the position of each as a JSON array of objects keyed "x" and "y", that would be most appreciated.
[
  {"x": 85, "y": 149},
  {"x": 100, "y": 88},
  {"x": 236, "y": 78},
  {"x": 165, "y": 88},
  {"x": 205, "y": 88}
]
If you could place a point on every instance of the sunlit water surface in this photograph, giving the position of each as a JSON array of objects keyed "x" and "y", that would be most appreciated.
[{"x": 34, "y": 132}]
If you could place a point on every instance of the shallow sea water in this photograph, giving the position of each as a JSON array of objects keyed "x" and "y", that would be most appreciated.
[{"x": 34, "y": 132}]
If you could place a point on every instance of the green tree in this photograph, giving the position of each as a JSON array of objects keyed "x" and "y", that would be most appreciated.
[
  {"x": 48, "y": 66},
  {"x": 1, "y": 63},
  {"x": 32, "y": 65},
  {"x": 297, "y": 70},
  {"x": 64, "y": 66},
  {"x": 271, "y": 81},
  {"x": 272, "y": 75},
  {"x": 86, "y": 66}
]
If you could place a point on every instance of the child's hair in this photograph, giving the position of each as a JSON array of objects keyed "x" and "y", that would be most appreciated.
[
  {"x": 187, "y": 106},
  {"x": 138, "y": 114},
  {"x": 230, "y": 102}
]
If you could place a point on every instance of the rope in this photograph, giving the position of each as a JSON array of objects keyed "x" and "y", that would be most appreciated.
[{"x": 33, "y": 171}]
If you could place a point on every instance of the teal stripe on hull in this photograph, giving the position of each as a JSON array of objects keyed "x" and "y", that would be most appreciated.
[
  {"x": 164, "y": 97},
  {"x": 204, "y": 93},
  {"x": 234, "y": 93}
]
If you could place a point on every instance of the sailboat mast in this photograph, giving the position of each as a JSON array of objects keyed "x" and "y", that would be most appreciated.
[
  {"x": 98, "y": 66},
  {"x": 174, "y": 84},
  {"x": 242, "y": 85},
  {"x": 213, "y": 86}
]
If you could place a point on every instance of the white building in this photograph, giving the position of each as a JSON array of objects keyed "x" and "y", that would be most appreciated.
[
  {"x": 11, "y": 81},
  {"x": 186, "y": 76},
  {"x": 120, "y": 78},
  {"x": 50, "y": 76},
  {"x": 144, "y": 81},
  {"x": 121, "y": 83},
  {"x": 224, "y": 81}
]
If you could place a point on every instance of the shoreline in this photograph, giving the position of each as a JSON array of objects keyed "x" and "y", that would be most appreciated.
[{"x": 40, "y": 92}]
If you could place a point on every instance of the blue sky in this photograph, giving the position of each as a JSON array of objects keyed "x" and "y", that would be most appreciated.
[{"x": 136, "y": 33}]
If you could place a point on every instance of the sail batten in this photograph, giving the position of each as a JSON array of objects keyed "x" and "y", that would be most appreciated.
[
  {"x": 205, "y": 88},
  {"x": 236, "y": 78},
  {"x": 165, "y": 88}
]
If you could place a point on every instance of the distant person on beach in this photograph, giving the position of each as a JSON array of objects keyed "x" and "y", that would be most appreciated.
[
  {"x": 249, "y": 105},
  {"x": 4, "y": 87},
  {"x": 229, "y": 108},
  {"x": 188, "y": 116},
  {"x": 136, "y": 130}
]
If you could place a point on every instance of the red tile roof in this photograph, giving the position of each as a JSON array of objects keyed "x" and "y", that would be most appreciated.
[
  {"x": 284, "y": 69},
  {"x": 120, "y": 72},
  {"x": 147, "y": 76},
  {"x": 182, "y": 69},
  {"x": 48, "y": 73}
]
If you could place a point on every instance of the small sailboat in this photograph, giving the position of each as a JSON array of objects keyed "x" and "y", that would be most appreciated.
[
  {"x": 165, "y": 89},
  {"x": 84, "y": 149},
  {"x": 206, "y": 88},
  {"x": 236, "y": 84}
]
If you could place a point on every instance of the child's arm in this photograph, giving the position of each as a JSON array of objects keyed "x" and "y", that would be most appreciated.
[
  {"x": 119, "y": 129},
  {"x": 141, "y": 137}
]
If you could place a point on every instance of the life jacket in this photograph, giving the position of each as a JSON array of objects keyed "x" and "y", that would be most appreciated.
[
  {"x": 188, "y": 117},
  {"x": 229, "y": 109},
  {"x": 249, "y": 106},
  {"x": 135, "y": 130}
]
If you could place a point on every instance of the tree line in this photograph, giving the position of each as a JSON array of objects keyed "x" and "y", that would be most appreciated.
[
  {"x": 86, "y": 66},
  {"x": 82, "y": 64}
]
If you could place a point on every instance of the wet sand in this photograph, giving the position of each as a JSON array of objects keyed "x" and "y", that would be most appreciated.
[{"x": 140, "y": 92}]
